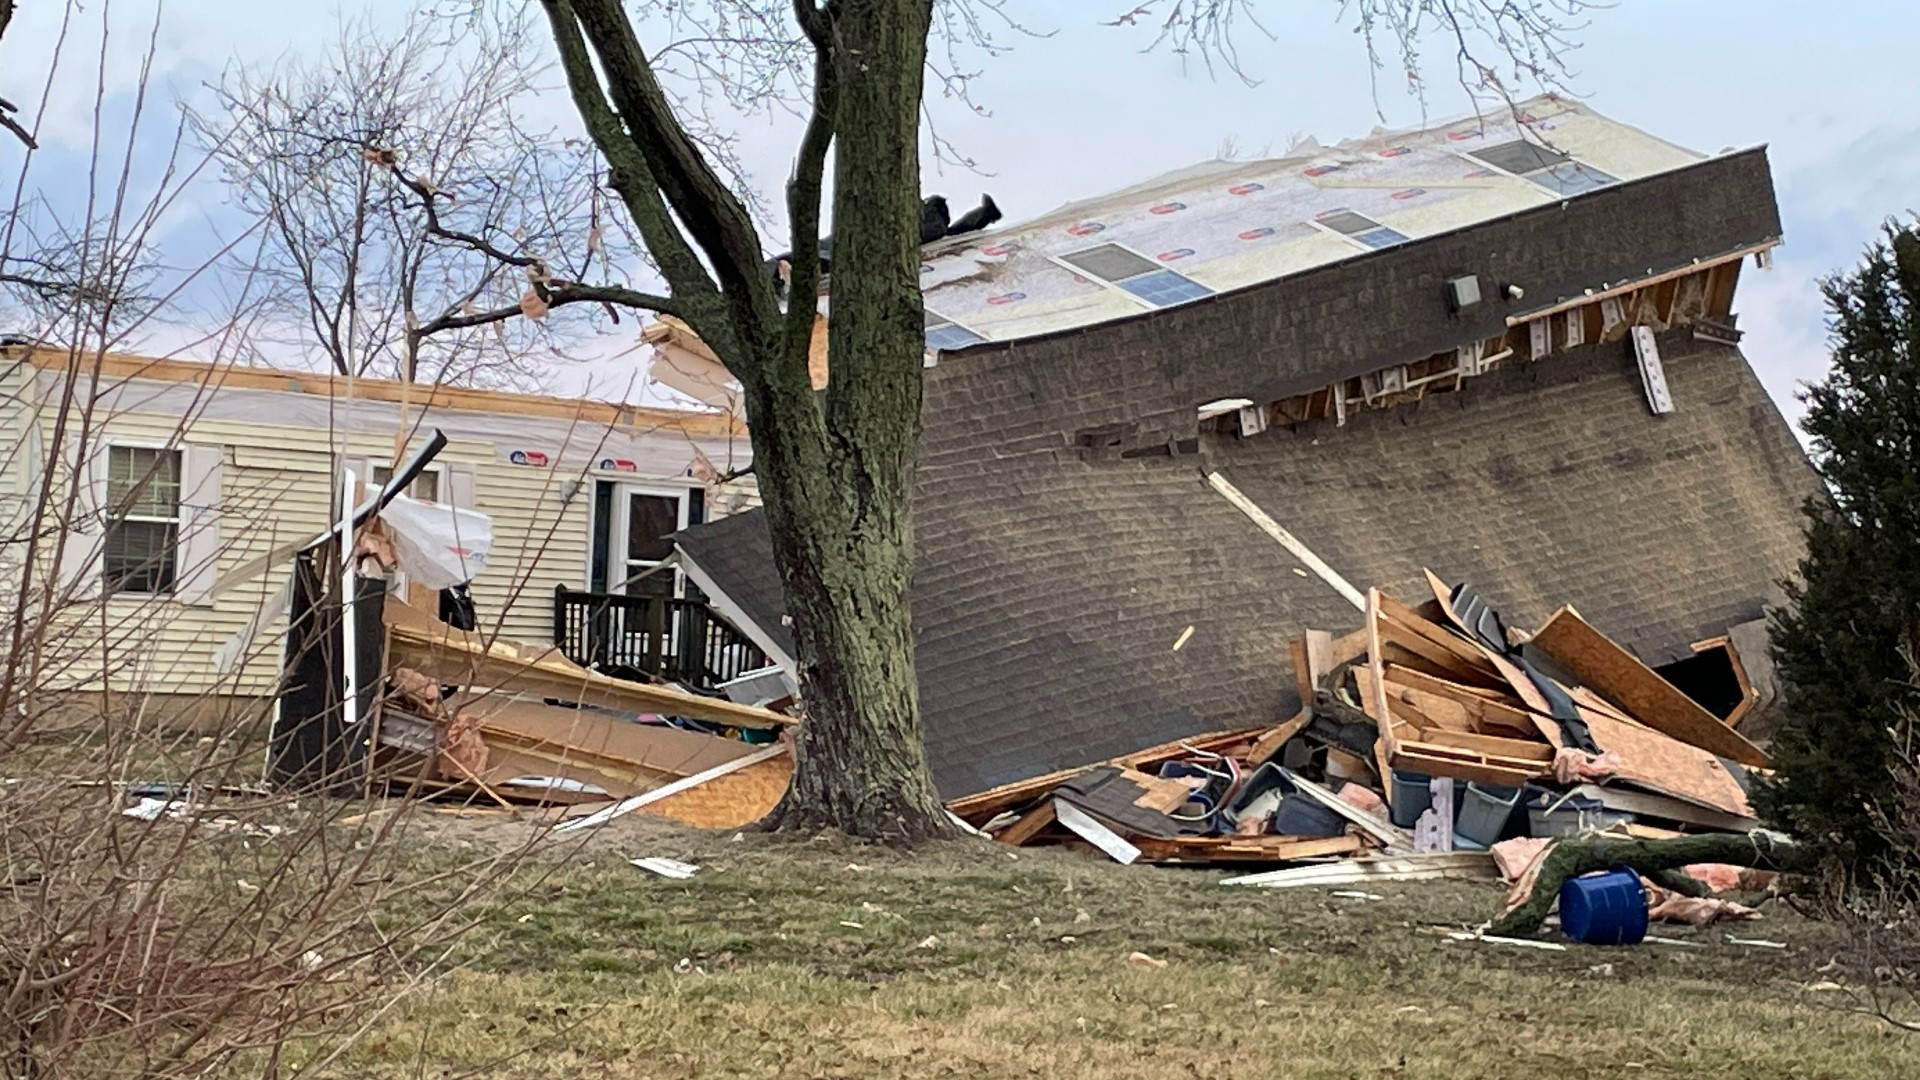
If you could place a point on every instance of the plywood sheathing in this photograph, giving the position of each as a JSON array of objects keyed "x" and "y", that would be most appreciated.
[
  {"x": 732, "y": 801},
  {"x": 1611, "y": 671}
]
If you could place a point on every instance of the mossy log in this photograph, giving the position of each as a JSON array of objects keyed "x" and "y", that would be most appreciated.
[{"x": 1651, "y": 858}]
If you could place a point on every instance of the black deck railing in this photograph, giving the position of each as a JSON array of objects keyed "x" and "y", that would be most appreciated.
[{"x": 651, "y": 636}]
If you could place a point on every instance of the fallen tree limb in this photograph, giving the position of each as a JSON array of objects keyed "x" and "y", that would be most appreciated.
[{"x": 1572, "y": 858}]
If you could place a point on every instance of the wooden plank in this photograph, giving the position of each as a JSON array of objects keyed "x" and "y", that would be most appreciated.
[
  {"x": 1410, "y": 761},
  {"x": 1376, "y": 694},
  {"x": 1471, "y": 865},
  {"x": 1509, "y": 671},
  {"x": 1477, "y": 757},
  {"x": 1086, "y": 828},
  {"x": 1020, "y": 792},
  {"x": 1732, "y": 257},
  {"x": 1247, "y": 848},
  {"x": 1302, "y": 670},
  {"x": 1434, "y": 684},
  {"x": 1270, "y": 743},
  {"x": 1493, "y": 745},
  {"x": 456, "y": 657},
  {"x": 1286, "y": 540},
  {"x": 1029, "y": 825},
  {"x": 1430, "y": 711},
  {"x": 628, "y": 806},
  {"x": 1663, "y": 764},
  {"x": 1594, "y": 659},
  {"x": 1466, "y": 652},
  {"x": 1486, "y": 710},
  {"x": 1320, "y": 659},
  {"x": 1348, "y": 646}
]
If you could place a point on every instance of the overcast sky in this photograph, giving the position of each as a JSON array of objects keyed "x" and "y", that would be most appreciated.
[{"x": 1831, "y": 89}]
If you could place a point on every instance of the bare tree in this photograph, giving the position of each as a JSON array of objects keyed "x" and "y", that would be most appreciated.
[
  {"x": 835, "y": 470},
  {"x": 218, "y": 926},
  {"x": 358, "y": 266}
]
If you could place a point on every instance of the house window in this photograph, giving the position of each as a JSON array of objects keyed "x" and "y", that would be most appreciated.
[
  {"x": 1545, "y": 166},
  {"x": 943, "y": 334},
  {"x": 1360, "y": 229},
  {"x": 1137, "y": 274},
  {"x": 640, "y": 537},
  {"x": 143, "y": 519},
  {"x": 425, "y": 487}
]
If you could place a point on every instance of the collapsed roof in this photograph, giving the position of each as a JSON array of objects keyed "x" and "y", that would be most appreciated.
[{"x": 1067, "y": 538}]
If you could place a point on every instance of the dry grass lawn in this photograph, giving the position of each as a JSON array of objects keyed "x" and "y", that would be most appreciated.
[{"x": 785, "y": 958}]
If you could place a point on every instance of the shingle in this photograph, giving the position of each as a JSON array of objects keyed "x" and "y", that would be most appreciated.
[{"x": 1051, "y": 583}]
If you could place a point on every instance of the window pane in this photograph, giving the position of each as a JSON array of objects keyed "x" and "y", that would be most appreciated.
[
  {"x": 1571, "y": 178},
  {"x": 1520, "y": 156},
  {"x": 1346, "y": 221},
  {"x": 1164, "y": 288},
  {"x": 1381, "y": 237},
  {"x": 139, "y": 557},
  {"x": 650, "y": 520},
  {"x": 1110, "y": 262},
  {"x": 426, "y": 487},
  {"x": 949, "y": 336},
  {"x": 142, "y": 482}
]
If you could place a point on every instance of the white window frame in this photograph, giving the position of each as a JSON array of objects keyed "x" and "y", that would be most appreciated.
[
  {"x": 109, "y": 519},
  {"x": 1114, "y": 286},
  {"x": 437, "y": 471},
  {"x": 617, "y": 527}
]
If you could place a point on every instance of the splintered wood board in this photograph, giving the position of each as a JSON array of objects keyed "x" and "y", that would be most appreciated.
[{"x": 1606, "y": 668}]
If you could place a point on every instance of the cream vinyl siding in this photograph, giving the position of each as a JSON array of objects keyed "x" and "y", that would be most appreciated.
[{"x": 277, "y": 486}]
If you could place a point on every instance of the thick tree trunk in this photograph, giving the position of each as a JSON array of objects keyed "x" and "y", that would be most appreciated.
[
  {"x": 838, "y": 481},
  {"x": 1572, "y": 858}
]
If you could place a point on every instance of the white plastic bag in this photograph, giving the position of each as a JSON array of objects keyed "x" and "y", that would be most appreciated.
[{"x": 437, "y": 546}]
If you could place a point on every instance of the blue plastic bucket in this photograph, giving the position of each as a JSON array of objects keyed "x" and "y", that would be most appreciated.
[{"x": 1608, "y": 908}]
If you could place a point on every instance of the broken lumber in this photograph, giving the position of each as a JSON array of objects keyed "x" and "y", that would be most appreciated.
[
  {"x": 457, "y": 657},
  {"x": 1246, "y": 848},
  {"x": 1607, "y": 669}
]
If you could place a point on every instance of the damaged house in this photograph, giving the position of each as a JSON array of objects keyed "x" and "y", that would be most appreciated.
[
  {"x": 1168, "y": 430},
  {"x": 198, "y": 482}
]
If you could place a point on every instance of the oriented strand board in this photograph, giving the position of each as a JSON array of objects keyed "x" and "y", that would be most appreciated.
[
  {"x": 732, "y": 801},
  {"x": 1606, "y": 668},
  {"x": 1662, "y": 764}
]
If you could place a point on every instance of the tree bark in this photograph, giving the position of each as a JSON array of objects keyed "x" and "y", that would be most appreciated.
[
  {"x": 838, "y": 480},
  {"x": 1572, "y": 858}
]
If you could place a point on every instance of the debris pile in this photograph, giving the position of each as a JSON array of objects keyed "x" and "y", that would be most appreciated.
[{"x": 1427, "y": 736}]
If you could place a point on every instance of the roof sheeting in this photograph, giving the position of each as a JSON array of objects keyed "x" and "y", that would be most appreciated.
[{"x": 1225, "y": 225}]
